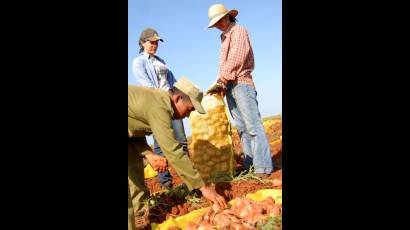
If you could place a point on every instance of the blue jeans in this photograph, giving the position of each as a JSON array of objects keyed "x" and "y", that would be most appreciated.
[
  {"x": 179, "y": 133},
  {"x": 243, "y": 107}
]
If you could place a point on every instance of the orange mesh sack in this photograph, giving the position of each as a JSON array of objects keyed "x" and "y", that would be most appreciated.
[{"x": 211, "y": 145}]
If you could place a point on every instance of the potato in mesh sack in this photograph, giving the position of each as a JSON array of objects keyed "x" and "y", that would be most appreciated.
[{"x": 211, "y": 144}]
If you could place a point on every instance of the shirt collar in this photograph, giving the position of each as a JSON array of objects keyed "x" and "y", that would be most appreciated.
[
  {"x": 147, "y": 56},
  {"x": 228, "y": 31},
  {"x": 170, "y": 99}
]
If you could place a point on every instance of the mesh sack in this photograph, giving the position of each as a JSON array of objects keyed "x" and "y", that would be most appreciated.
[{"x": 211, "y": 145}]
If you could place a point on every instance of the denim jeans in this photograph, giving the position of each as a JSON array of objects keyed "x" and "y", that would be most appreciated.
[
  {"x": 243, "y": 106},
  {"x": 179, "y": 133}
]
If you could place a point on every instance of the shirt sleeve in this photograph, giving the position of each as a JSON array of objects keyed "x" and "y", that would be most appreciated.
[
  {"x": 141, "y": 74},
  {"x": 142, "y": 147},
  {"x": 161, "y": 126},
  {"x": 237, "y": 52}
]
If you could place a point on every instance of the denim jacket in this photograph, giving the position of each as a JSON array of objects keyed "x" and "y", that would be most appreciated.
[{"x": 145, "y": 73}]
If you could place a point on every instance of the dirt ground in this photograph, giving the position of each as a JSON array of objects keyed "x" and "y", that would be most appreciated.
[{"x": 167, "y": 206}]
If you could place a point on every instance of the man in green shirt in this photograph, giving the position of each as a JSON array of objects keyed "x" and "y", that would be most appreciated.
[{"x": 151, "y": 111}]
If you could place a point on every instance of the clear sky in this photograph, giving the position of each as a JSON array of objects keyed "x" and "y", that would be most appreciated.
[{"x": 191, "y": 50}]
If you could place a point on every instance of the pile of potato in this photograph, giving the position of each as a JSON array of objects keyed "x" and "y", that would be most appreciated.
[
  {"x": 273, "y": 129},
  {"x": 243, "y": 215},
  {"x": 211, "y": 144}
]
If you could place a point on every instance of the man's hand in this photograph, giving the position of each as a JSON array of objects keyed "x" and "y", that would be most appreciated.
[
  {"x": 217, "y": 88},
  {"x": 158, "y": 163},
  {"x": 210, "y": 194},
  {"x": 222, "y": 81}
]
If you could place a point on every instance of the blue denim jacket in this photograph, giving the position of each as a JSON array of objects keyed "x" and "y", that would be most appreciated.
[{"x": 145, "y": 73}]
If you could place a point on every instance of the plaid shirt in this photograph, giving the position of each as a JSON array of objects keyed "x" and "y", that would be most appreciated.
[{"x": 236, "y": 63}]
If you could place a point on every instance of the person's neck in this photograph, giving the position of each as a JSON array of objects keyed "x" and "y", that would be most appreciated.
[
  {"x": 149, "y": 55},
  {"x": 174, "y": 108},
  {"x": 227, "y": 27}
]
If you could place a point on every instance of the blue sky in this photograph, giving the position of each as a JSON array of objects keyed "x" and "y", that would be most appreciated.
[{"x": 191, "y": 50}]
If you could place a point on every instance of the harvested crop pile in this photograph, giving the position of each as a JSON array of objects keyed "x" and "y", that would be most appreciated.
[
  {"x": 244, "y": 214},
  {"x": 273, "y": 130}
]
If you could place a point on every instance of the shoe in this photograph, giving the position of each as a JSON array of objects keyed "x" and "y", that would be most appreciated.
[
  {"x": 167, "y": 185},
  {"x": 262, "y": 175}
]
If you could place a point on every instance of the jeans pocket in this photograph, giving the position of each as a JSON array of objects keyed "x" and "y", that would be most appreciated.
[{"x": 251, "y": 92}]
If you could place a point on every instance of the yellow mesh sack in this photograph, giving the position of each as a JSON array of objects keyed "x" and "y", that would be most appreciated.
[{"x": 211, "y": 144}]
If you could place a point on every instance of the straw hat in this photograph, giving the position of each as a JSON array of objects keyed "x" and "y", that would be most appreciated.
[{"x": 218, "y": 11}]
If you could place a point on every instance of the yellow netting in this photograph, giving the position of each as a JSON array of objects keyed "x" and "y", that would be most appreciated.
[
  {"x": 211, "y": 145},
  {"x": 182, "y": 221}
]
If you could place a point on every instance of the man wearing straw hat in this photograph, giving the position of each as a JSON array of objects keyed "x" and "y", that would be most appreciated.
[
  {"x": 235, "y": 78},
  {"x": 152, "y": 110}
]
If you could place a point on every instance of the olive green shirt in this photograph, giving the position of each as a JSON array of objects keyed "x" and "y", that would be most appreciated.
[{"x": 150, "y": 111}]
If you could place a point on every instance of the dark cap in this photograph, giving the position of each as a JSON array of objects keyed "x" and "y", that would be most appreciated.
[{"x": 150, "y": 34}]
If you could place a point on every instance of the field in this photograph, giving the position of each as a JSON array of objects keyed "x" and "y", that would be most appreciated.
[{"x": 179, "y": 201}]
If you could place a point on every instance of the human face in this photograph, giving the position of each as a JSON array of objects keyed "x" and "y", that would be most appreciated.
[
  {"x": 183, "y": 107},
  {"x": 150, "y": 47},
  {"x": 223, "y": 23}
]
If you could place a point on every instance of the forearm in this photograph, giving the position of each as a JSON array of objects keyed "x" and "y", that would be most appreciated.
[
  {"x": 185, "y": 169},
  {"x": 173, "y": 150}
]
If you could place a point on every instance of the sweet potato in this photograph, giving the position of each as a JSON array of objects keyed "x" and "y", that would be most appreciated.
[
  {"x": 205, "y": 226},
  {"x": 237, "y": 226},
  {"x": 191, "y": 226},
  {"x": 243, "y": 215},
  {"x": 257, "y": 209},
  {"x": 222, "y": 220},
  {"x": 276, "y": 210}
]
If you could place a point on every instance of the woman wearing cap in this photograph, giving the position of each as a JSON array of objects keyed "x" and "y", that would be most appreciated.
[
  {"x": 235, "y": 76},
  {"x": 151, "y": 71}
]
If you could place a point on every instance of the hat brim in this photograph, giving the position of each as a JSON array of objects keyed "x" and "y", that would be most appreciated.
[
  {"x": 216, "y": 19},
  {"x": 198, "y": 106},
  {"x": 155, "y": 39}
]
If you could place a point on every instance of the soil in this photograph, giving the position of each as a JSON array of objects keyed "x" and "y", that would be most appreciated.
[{"x": 173, "y": 206}]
